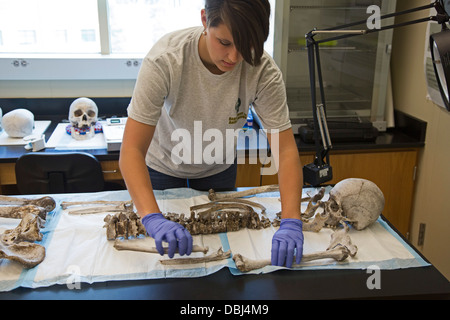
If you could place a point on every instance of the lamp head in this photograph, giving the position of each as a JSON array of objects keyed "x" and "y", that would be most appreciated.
[{"x": 440, "y": 52}]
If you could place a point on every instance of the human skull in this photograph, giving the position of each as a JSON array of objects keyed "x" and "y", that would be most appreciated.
[
  {"x": 18, "y": 123},
  {"x": 358, "y": 201},
  {"x": 83, "y": 115}
]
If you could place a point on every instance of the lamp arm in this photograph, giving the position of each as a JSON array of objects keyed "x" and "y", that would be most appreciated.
[
  {"x": 441, "y": 17},
  {"x": 320, "y": 171}
]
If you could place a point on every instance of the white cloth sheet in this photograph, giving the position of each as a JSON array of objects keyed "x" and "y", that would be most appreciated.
[{"x": 77, "y": 249}]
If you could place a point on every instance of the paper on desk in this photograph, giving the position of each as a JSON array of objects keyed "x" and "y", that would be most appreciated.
[
  {"x": 60, "y": 140},
  {"x": 38, "y": 131}
]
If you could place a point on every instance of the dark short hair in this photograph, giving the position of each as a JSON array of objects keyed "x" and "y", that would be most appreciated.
[{"x": 248, "y": 21}]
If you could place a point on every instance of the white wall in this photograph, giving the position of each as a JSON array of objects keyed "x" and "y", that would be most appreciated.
[
  {"x": 431, "y": 202},
  {"x": 63, "y": 89}
]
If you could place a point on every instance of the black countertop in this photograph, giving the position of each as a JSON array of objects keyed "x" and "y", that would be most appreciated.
[
  {"x": 410, "y": 283},
  {"x": 409, "y": 132}
]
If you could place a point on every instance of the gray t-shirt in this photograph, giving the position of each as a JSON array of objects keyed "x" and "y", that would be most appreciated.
[{"x": 193, "y": 109}]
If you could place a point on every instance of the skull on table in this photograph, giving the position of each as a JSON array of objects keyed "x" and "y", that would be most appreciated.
[
  {"x": 358, "y": 201},
  {"x": 83, "y": 116}
]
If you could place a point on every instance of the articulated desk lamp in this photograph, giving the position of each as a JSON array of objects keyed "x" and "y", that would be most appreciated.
[{"x": 320, "y": 171}]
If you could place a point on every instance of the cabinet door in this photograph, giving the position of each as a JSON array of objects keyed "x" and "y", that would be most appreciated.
[{"x": 393, "y": 172}]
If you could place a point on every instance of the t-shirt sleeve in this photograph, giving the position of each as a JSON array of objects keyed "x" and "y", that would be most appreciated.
[
  {"x": 270, "y": 103},
  {"x": 152, "y": 86}
]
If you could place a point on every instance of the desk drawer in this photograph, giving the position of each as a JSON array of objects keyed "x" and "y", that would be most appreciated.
[
  {"x": 7, "y": 173},
  {"x": 111, "y": 170}
]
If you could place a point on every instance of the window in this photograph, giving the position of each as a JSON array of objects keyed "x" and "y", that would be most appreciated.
[
  {"x": 49, "y": 26},
  {"x": 135, "y": 25},
  {"x": 70, "y": 34}
]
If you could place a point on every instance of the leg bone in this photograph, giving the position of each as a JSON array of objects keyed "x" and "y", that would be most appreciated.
[
  {"x": 102, "y": 207},
  {"x": 245, "y": 265},
  {"x": 144, "y": 245},
  {"x": 217, "y": 256}
]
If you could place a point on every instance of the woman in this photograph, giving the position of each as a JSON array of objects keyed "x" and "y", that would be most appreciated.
[{"x": 202, "y": 79}]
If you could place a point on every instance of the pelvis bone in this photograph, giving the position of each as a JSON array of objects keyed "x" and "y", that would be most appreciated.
[{"x": 17, "y": 244}]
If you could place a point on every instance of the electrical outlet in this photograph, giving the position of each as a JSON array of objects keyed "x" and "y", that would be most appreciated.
[{"x": 421, "y": 239}]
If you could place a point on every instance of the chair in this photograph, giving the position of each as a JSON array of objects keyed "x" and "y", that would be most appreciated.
[{"x": 51, "y": 173}]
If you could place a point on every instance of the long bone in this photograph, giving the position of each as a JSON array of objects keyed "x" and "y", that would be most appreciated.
[
  {"x": 144, "y": 245},
  {"x": 67, "y": 204},
  {"x": 48, "y": 203},
  {"x": 213, "y": 196},
  {"x": 100, "y": 207},
  {"x": 217, "y": 256},
  {"x": 245, "y": 265},
  {"x": 339, "y": 249}
]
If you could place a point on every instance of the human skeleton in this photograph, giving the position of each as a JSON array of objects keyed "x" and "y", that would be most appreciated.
[{"x": 355, "y": 203}]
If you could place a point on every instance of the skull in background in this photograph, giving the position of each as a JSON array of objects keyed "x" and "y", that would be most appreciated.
[{"x": 83, "y": 115}]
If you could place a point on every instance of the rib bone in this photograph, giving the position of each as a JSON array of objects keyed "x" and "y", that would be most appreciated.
[
  {"x": 213, "y": 196},
  {"x": 217, "y": 256},
  {"x": 215, "y": 203}
]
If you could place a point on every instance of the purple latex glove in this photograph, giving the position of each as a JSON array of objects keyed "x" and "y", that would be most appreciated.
[
  {"x": 284, "y": 242},
  {"x": 161, "y": 229}
]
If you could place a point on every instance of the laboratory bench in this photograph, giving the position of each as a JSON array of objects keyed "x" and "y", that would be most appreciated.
[
  {"x": 386, "y": 161},
  {"x": 424, "y": 282}
]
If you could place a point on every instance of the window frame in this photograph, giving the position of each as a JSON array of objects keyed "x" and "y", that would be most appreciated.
[{"x": 102, "y": 66}]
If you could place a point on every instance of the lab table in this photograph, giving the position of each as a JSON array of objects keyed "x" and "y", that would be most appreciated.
[{"x": 408, "y": 280}]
